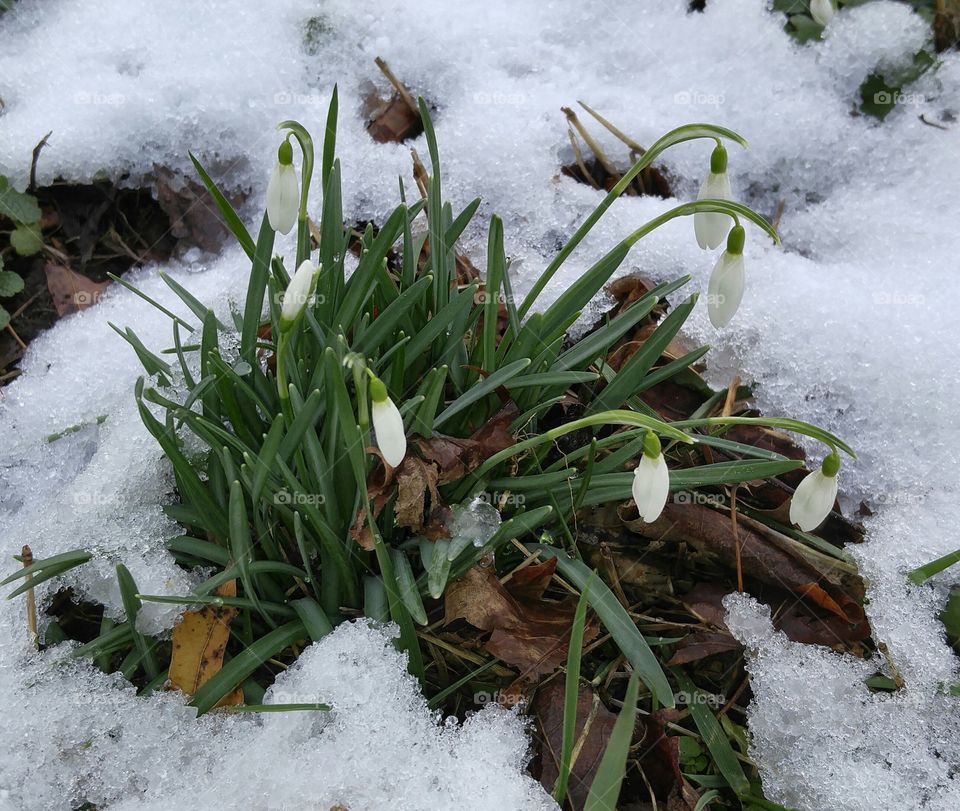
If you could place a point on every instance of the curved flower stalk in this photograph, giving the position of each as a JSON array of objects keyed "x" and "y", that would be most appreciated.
[
  {"x": 283, "y": 193},
  {"x": 822, "y": 11},
  {"x": 815, "y": 495},
  {"x": 651, "y": 480},
  {"x": 711, "y": 227},
  {"x": 387, "y": 424},
  {"x": 727, "y": 281}
]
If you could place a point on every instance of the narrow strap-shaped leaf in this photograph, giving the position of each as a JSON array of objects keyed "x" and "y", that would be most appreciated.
[
  {"x": 605, "y": 788},
  {"x": 232, "y": 219},
  {"x": 571, "y": 691},
  {"x": 256, "y": 286},
  {"x": 617, "y": 621},
  {"x": 245, "y": 663},
  {"x": 477, "y": 392},
  {"x": 714, "y": 737}
]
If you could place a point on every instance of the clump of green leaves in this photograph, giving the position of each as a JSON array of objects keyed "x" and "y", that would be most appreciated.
[
  {"x": 289, "y": 496},
  {"x": 22, "y": 212}
]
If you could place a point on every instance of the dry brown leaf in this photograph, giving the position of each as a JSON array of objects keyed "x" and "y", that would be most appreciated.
[
  {"x": 701, "y": 644},
  {"x": 529, "y": 632},
  {"x": 71, "y": 291},
  {"x": 429, "y": 463},
  {"x": 548, "y": 709},
  {"x": 710, "y": 532},
  {"x": 199, "y": 642}
]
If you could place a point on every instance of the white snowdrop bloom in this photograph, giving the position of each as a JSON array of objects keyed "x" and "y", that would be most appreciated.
[
  {"x": 711, "y": 227},
  {"x": 651, "y": 480},
  {"x": 815, "y": 495},
  {"x": 387, "y": 423},
  {"x": 298, "y": 294},
  {"x": 727, "y": 281},
  {"x": 822, "y": 11},
  {"x": 283, "y": 193}
]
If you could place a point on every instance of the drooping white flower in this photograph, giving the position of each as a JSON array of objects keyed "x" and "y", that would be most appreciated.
[
  {"x": 727, "y": 281},
  {"x": 651, "y": 480},
  {"x": 711, "y": 227},
  {"x": 822, "y": 11},
  {"x": 815, "y": 496},
  {"x": 283, "y": 193},
  {"x": 298, "y": 294},
  {"x": 387, "y": 423}
]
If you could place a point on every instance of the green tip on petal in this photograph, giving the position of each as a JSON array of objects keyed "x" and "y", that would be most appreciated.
[
  {"x": 831, "y": 464},
  {"x": 378, "y": 391},
  {"x": 285, "y": 153},
  {"x": 651, "y": 445},
  {"x": 736, "y": 239},
  {"x": 718, "y": 160}
]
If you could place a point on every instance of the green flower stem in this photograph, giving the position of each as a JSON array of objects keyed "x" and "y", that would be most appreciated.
[
  {"x": 728, "y": 207},
  {"x": 306, "y": 174},
  {"x": 786, "y": 424},
  {"x": 677, "y": 136},
  {"x": 615, "y": 417},
  {"x": 282, "y": 390}
]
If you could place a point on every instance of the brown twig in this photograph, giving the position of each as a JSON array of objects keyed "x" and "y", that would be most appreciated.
[
  {"x": 26, "y": 556},
  {"x": 33, "y": 163},
  {"x": 634, "y": 146},
  {"x": 598, "y": 153},
  {"x": 397, "y": 85},
  {"x": 578, "y": 157}
]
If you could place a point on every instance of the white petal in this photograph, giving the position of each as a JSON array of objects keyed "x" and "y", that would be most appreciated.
[
  {"x": 297, "y": 295},
  {"x": 391, "y": 438},
  {"x": 813, "y": 500},
  {"x": 711, "y": 228},
  {"x": 822, "y": 11},
  {"x": 651, "y": 485},
  {"x": 725, "y": 290},
  {"x": 283, "y": 198}
]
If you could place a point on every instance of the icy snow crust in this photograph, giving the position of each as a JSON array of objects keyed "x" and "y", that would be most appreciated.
[{"x": 850, "y": 325}]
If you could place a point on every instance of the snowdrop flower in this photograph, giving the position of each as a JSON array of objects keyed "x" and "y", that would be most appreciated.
[
  {"x": 711, "y": 227},
  {"x": 822, "y": 11},
  {"x": 283, "y": 195},
  {"x": 727, "y": 280},
  {"x": 815, "y": 495},
  {"x": 387, "y": 423},
  {"x": 298, "y": 294},
  {"x": 651, "y": 480}
]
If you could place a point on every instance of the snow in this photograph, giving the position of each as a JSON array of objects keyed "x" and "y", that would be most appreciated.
[
  {"x": 851, "y": 324},
  {"x": 379, "y": 747}
]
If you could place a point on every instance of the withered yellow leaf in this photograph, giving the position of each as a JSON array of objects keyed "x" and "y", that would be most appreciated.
[{"x": 199, "y": 642}]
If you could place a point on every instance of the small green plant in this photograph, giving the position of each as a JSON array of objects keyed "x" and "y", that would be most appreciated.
[
  {"x": 349, "y": 424},
  {"x": 20, "y": 210}
]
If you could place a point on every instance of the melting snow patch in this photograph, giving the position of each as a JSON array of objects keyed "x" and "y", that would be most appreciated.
[
  {"x": 379, "y": 747},
  {"x": 852, "y": 324}
]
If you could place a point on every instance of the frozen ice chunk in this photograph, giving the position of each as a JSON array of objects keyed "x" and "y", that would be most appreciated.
[{"x": 477, "y": 520}]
